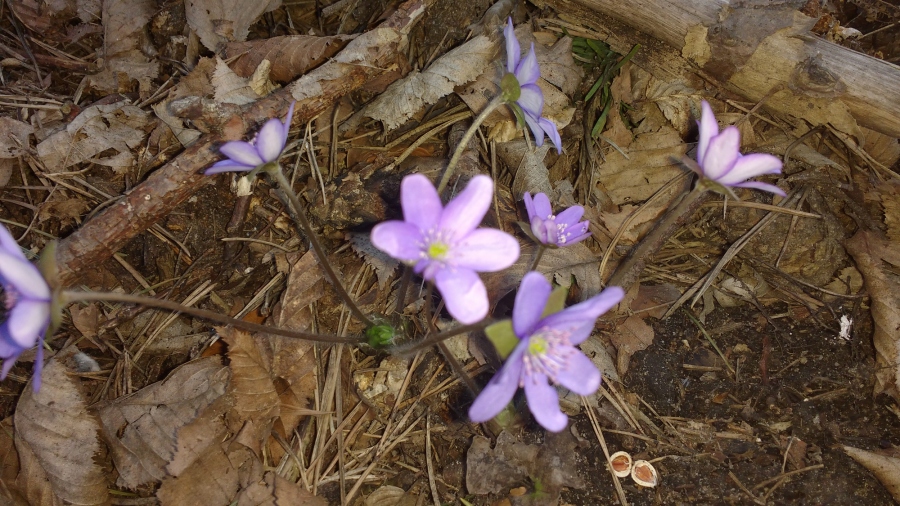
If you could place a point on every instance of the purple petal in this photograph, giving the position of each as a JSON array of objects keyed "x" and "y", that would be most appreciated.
[
  {"x": 579, "y": 319},
  {"x": 38, "y": 366},
  {"x": 500, "y": 390},
  {"x": 8, "y": 348},
  {"x": 577, "y": 237},
  {"x": 581, "y": 375},
  {"x": 464, "y": 294},
  {"x": 286, "y": 127},
  {"x": 465, "y": 212},
  {"x": 570, "y": 216},
  {"x": 531, "y": 100},
  {"x": 752, "y": 165},
  {"x": 543, "y": 401},
  {"x": 398, "y": 239},
  {"x": 709, "y": 128},
  {"x": 513, "y": 51},
  {"x": 542, "y": 208},
  {"x": 269, "y": 140},
  {"x": 8, "y": 363},
  {"x": 420, "y": 201},
  {"x": 550, "y": 129},
  {"x": 527, "y": 71},
  {"x": 23, "y": 276},
  {"x": 723, "y": 152},
  {"x": 530, "y": 301},
  {"x": 535, "y": 128},
  {"x": 9, "y": 244},
  {"x": 541, "y": 231},
  {"x": 241, "y": 152},
  {"x": 27, "y": 321},
  {"x": 762, "y": 186},
  {"x": 529, "y": 205},
  {"x": 486, "y": 250},
  {"x": 227, "y": 165}
]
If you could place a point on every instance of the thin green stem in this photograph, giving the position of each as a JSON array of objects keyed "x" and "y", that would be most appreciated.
[
  {"x": 433, "y": 339},
  {"x": 537, "y": 257},
  {"x": 300, "y": 216},
  {"x": 74, "y": 296},
  {"x": 451, "y": 167}
]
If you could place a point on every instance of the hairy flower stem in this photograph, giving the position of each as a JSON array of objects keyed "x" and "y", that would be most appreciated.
[
  {"x": 451, "y": 167},
  {"x": 433, "y": 339},
  {"x": 629, "y": 271},
  {"x": 300, "y": 216},
  {"x": 69, "y": 296},
  {"x": 537, "y": 257}
]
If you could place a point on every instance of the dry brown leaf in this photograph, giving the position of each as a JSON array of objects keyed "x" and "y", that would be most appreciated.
[
  {"x": 9, "y": 465},
  {"x": 885, "y": 150},
  {"x": 231, "y": 88},
  {"x": 869, "y": 251},
  {"x": 676, "y": 100},
  {"x": 457, "y": 67},
  {"x": 273, "y": 490},
  {"x": 61, "y": 441},
  {"x": 383, "y": 263},
  {"x": 629, "y": 338},
  {"x": 558, "y": 67},
  {"x": 531, "y": 174},
  {"x": 649, "y": 166},
  {"x": 291, "y": 55},
  {"x": 886, "y": 468},
  {"x": 86, "y": 319},
  {"x": 251, "y": 384},
  {"x": 124, "y": 36},
  {"x": 218, "y": 22},
  {"x": 13, "y": 137},
  {"x": 43, "y": 16},
  {"x": 118, "y": 127},
  {"x": 141, "y": 429}
]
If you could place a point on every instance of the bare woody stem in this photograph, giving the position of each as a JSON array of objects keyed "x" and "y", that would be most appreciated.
[
  {"x": 451, "y": 167},
  {"x": 300, "y": 216},
  {"x": 433, "y": 339},
  {"x": 73, "y": 296},
  {"x": 629, "y": 271}
]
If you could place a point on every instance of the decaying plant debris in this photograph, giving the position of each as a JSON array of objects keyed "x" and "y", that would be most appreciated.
[{"x": 753, "y": 360}]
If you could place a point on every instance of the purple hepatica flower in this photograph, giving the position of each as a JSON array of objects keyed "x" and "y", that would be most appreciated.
[
  {"x": 558, "y": 230},
  {"x": 546, "y": 352},
  {"x": 720, "y": 160},
  {"x": 27, "y": 307},
  {"x": 265, "y": 148},
  {"x": 527, "y": 96},
  {"x": 444, "y": 243}
]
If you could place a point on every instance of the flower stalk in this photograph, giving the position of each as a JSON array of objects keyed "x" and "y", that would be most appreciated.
[{"x": 476, "y": 123}]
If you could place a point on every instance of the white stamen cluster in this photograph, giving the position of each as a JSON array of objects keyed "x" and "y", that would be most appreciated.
[{"x": 548, "y": 352}]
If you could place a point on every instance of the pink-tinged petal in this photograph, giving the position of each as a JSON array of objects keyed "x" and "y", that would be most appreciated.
[
  {"x": 227, "y": 165},
  {"x": 486, "y": 250},
  {"x": 531, "y": 100},
  {"x": 528, "y": 71},
  {"x": 464, "y": 294},
  {"x": 709, "y": 128},
  {"x": 580, "y": 375},
  {"x": 420, "y": 201},
  {"x": 541, "y": 231},
  {"x": 27, "y": 321},
  {"x": 570, "y": 216},
  {"x": 513, "y": 51},
  {"x": 8, "y": 243},
  {"x": 286, "y": 126},
  {"x": 269, "y": 140},
  {"x": 529, "y": 205},
  {"x": 549, "y": 128},
  {"x": 530, "y": 301},
  {"x": 398, "y": 239},
  {"x": 542, "y": 207},
  {"x": 722, "y": 153},
  {"x": 497, "y": 394},
  {"x": 535, "y": 128},
  {"x": 762, "y": 186},
  {"x": 579, "y": 319},
  {"x": 23, "y": 277},
  {"x": 241, "y": 152},
  {"x": 543, "y": 401},
  {"x": 752, "y": 165},
  {"x": 464, "y": 213}
]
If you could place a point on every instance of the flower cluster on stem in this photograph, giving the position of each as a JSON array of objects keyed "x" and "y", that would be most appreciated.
[{"x": 555, "y": 230}]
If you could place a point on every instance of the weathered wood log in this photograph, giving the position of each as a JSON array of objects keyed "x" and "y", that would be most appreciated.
[
  {"x": 363, "y": 59},
  {"x": 762, "y": 51}
]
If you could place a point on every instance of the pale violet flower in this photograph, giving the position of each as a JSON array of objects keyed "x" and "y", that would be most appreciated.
[
  {"x": 27, "y": 305},
  {"x": 545, "y": 354},
  {"x": 520, "y": 89},
  {"x": 558, "y": 230},
  {"x": 720, "y": 161},
  {"x": 265, "y": 148},
  {"x": 445, "y": 245}
]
